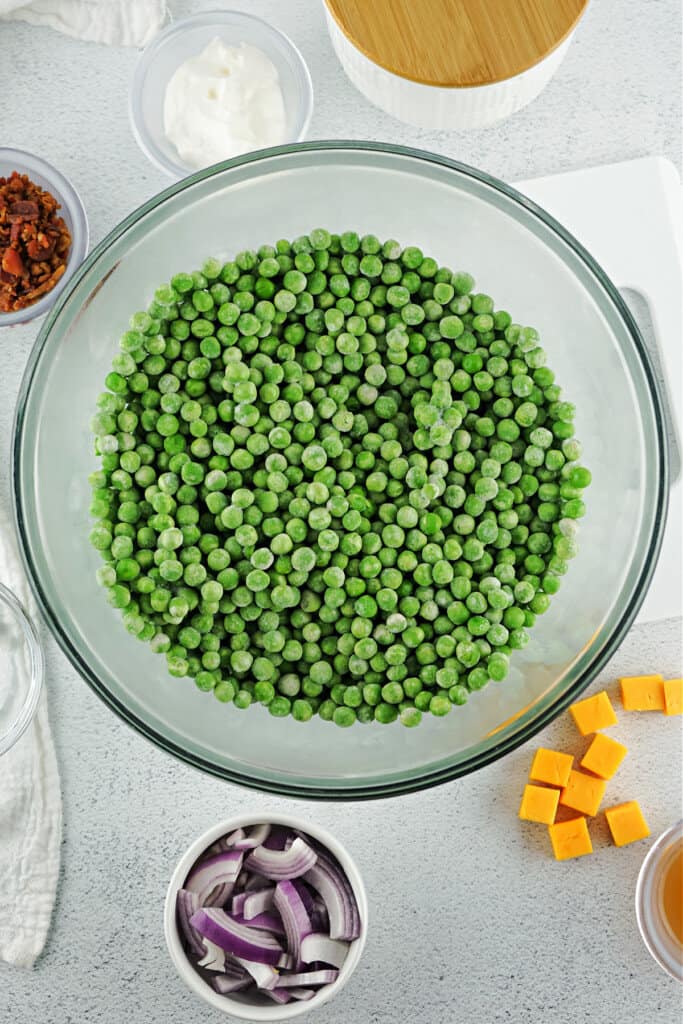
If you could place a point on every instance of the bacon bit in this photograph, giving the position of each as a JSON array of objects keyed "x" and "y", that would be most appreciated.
[
  {"x": 40, "y": 247},
  {"x": 34, "y": 242},
  {"x": 23, "y": 209},
  {"x": 12, "y": 263}
]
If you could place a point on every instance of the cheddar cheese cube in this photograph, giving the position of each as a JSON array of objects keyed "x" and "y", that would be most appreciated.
[
  {"x": 642, "y": 693},
  {"x": 626, "y": 823},
  {"x": 604, "y": 756},
  {"x": 593, "y": 713},
  {"x": 539, "y": 804},
  {"x": 673, "y": 696},
  {"x": 583, "y": 793},
  {"x": 570, "y": 839},
  {"x": 551, "y": 766}
]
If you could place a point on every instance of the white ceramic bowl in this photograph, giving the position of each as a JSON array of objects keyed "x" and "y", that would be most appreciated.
[
  {"x": 436, "y": 107},
  {"x": 242, "y": 1006},
  {"x": 188, "y": 37}
]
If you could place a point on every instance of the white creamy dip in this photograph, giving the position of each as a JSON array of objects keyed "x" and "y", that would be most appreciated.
[{"x": 224, "y": 102}]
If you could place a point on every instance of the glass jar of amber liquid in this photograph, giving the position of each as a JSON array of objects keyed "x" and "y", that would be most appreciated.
[{"x": 659, "y": 901}]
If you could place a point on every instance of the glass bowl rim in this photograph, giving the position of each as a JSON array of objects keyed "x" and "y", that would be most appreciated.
[
  {"x": 145, "y": 63},
  {"x": 35, "y": 684},
  {"x": 64, "y": 190},
  {"x": 505, "y": 744}
]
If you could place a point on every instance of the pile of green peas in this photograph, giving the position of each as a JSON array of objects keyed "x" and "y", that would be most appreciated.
[{"x": 334, "y": 480}]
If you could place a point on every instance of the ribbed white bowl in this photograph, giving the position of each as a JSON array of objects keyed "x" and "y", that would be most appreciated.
[{"x": 445, "y": 109}]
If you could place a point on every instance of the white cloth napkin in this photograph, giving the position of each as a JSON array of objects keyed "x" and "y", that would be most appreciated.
[
  {"x": 30, "y": 808},
  {"x": 115, "y": 22}
]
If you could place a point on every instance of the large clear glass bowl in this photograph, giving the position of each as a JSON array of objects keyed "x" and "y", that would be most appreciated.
[{"x": 464, "y": 219}]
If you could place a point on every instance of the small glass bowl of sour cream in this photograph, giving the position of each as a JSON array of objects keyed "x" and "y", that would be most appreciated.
[{"x": 249, "y": 42}]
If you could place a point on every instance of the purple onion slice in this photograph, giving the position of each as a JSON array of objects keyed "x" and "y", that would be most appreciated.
[
  {"x": 187, "y": 904},
  {"x": 214, "y": 957},
  {"x": 237, "y": 902},
  {"x": 327, "y": 878},
  {"x": 283, "y": 864},
  {"x": 278, "y": 995},
  {"x": 320, "y": 948},
  {"x": 238, "y": 939},
  {"x": 307, "y": 979},
  {"x": 302, "y": 993},
  {"x": 224, "y": 984},
  {"x": 213, "y": 879},
  {"x": 267, "y": 922},
  {"x": 264, "y": 975},
  {"x": 258, "y": 902},
  {"x": 249, "y": 841},
  {"x": 292, "y": 911}
]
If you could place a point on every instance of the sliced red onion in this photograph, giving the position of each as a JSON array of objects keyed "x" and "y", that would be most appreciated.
[
  {"x": 278, "y": 995},
  {"x": 329, "y": 880},
  {"x": 220, "y": 846},
  {"x": 256, "y": 837},
  {"x": 233, "y": 838},
  {"x": 308, "y": 898},
  {"x": 277, "y": 838},
  {"x": 320, "y": 919},
  {"x": 236, "y": 938},
  {"x": 280, "y": 888},
  {"x": 283, "y": 864},
  {"x": 264, "y": 975},
  {"x": 224, "y": 984},
  {"x": 308, "y": 979},
  {"x": 233, "y": 968},
  {"x": 302, "y": 993},
  {"x": 257, "y": 902},
  {"x": 214, "y": 957},
  {"x": 187, "y": 904},
  {"x": 266, "y": 922},
  {"x": 319, "y": 948},
  {"x": 213, "y": 879},
  {"x": 237, "y": 902},
  {"x": 292, "y": 911},
  {"x": 221, "y": 895}
]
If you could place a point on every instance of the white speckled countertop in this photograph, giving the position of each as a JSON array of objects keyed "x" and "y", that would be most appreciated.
[{"x": 472, "y": 920}]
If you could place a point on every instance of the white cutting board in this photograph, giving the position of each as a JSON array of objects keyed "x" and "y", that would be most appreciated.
[{"x": 628, "y": 216}]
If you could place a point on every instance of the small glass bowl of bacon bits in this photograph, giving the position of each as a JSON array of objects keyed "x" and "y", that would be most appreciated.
[{"x": 43, "y": 235}]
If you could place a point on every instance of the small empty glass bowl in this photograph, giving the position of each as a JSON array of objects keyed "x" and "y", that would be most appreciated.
[
  {"x": 21, "y": 669},
  {"x": 72, "y": 210},
  {"x": 187, "y": 38}
]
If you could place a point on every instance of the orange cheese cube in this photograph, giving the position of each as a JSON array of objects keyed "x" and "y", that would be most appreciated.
[
  {"x": 642, "y": 693},
  {"x": 550, "y": 766},
  {"x": 626, "y": 823},
  {"x": 604, "y": 756},
  {"x": 673, "y": 696},
  {"x": 583, "y": 793},
  {"x": 539, "y": 804},
  {"x": 570, "y": 838},
  {"x": 593, "y": 713}
]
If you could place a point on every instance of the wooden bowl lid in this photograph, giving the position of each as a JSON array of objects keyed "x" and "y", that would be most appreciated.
[{"x": 456, "y": 43}]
